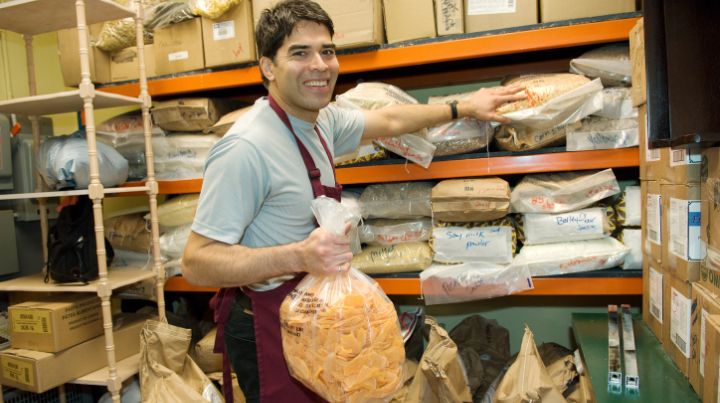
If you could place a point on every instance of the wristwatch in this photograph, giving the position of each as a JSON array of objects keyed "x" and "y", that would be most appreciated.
[{"x": 453, "y": 109}]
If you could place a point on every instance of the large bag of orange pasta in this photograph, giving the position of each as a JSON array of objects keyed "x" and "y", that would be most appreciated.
[{"x": 340, "y": 332}]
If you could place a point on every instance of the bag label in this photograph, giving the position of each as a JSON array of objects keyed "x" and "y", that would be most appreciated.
[
  {"x": 223, "y": 30},
  {"x": 481, "y": 7},
  {"x": 182, "y": 55},
  {"x": 18, "y": 370},
  {"x": 31, "y": 321}
]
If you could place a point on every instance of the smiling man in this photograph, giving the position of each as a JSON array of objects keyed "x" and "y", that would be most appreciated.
[{"x": 254, "y": 234}]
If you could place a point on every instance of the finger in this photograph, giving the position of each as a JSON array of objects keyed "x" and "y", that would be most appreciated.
[
  {"x": 510, "y": 98},
  {"x": 498, "y": 118},
  {"x": 348, "y": 227}
]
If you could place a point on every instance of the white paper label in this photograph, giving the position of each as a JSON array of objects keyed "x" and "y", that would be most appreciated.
[
  {"x": 480, "y": 7},
  {"x": 651, "y": 154},
  {"x": 685, "y": 156},
  {"x": 223, "y": 30},
  {"x": 684, "y": 230},
  {"x": 654, "y": 218},
  {"x": 486, "y": 244},
  {"x": 703, "y": 317},
  {"x": 182, "y": 55},
  {"x": 680, "y": 321},
  {"x": 656, "y": 294},
  {"x": 574, "y": 226}
]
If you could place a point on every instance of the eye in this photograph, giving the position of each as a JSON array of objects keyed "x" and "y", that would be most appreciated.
[
  {"x": 328, "y": 52},
  {"x": 298, "y": 53}
]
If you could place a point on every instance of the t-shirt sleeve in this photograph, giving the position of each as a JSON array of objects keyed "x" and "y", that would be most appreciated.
[
  {"x": 233, "y": 190},
  {"x": 347, "y": 126}
]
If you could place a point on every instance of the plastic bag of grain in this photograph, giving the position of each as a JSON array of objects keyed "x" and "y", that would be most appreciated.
[
  {"x": 396, "y": 200},
  {"x": 402, "y": 257},
  {"x": 589, "y": 223},
  {"x": 609, "y": 222},
  {"x": 562, "y": 192},
  {"x": 444, "y": 284},
  {"x": 458, "y": 136},
  {"x": 386, "y": 232},
  {"x": 506, "y": 221},
  {"x": 181, "y": 156},
  {"x": 177, "y": 211},
  {"x": 129, "y": 232},
  {"x": 599, "y": 133},
  {"x": 617, "y": 104},
  {"x": 553, "y": 100},
  {"x": 470, "y": 200},
  {"x": 212, "y": 9},
  {"x": 571, "y": 257},
  {"x": 457, "y": 244},
  {"x": 409, "y": 146},
  {"x": 632, "y": 238},
  {"x": 366, "y": 151},
  {"x": 340, "y": 332},
  {"x": 173, "y": 241},
  {"x": 524, "y": 138},
  {"x": 628, "y": 207},
  {"x": 610, "y": 63}
]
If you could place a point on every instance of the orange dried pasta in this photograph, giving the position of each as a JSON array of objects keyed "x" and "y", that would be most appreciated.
[
  {"x": 540, "y": 88},
  {"x": 341, "y": 338}
]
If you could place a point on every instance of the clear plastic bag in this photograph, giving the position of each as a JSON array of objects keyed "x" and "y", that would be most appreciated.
[
  {"x": 629, "y": 207},
  {"x": 390, "y": 232},
  {"x": 460, "y": 136},
  {"x": 617, "y": 104},
  {"x": 610, "y": 63},
  {"x": 524, "y": 138},
  {"x": 599, "y": 133},
  {"x": 589, "y": 223},
  {"x": 443, "y": 284},
  {"x": 632, "y": 238},
  {"x": 402, "y": 257},
  {"x": 181, "y": 156},
  {"x": 177, "y": 211},
  {"x": 456, "y": 244},
  {"x": 409, "y": 146},
  {"x": 340, "y": 333},
  {"x": 172, "y": 242},
  {"x": 213, "y": 8},
  {"x": 396, "y": 200},
  {"x": 571, "y": 257}
]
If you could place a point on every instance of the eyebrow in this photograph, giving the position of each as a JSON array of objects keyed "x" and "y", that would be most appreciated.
[{"x": 303, "y": 47}]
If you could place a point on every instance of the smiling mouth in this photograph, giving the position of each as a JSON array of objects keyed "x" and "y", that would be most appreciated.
[{"x": 317, "y": 83}]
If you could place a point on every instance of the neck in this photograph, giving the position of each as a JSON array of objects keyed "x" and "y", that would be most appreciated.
[{"x": 299, "y": 113}]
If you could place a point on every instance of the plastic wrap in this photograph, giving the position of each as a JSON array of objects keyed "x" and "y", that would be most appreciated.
[
  {"x": 589, "y": 223},
  {"x": 442, "y": 284},
  {"x": 617, "y": 104},
  {"x": 562, "y": 192},
  {"x": 506, "y": 221},
  {"x": 611, "y": 63},
  {"x": 120, "y": 34},
  {"x": 460, "y": 136},
  {"x": 213, "y": 9},
  {"x": 181, "y": 156},
  {"x": 340, "y": 333},
  {"x": 629, "y": 207},
  {"x": 125, "y": 133},
  {"x": 632, "y": 238},
  {"x": 402, "y": 257},
  {"x": 172, "y": 242},
  {"x": 524, "y": 139},
  {"x": 456, "y": 244},
  {"x": 63, "y": 163},
  {"x": 609, "y": 221},
  {"x": 161, "y": 13},
  {"x": 177, "y": 211},
  {"x": 384, "y": 232},
  {"x": 571, "y": 257},
  {"x": 409, "y": 146},
  {"x": 396, "y": 200},
  {"x": 598, "y": 133}
]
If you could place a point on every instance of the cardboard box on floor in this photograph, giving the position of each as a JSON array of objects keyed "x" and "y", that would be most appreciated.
[
  {"x": 409, "y": 19},
  {"x": 653, "y": 297},
  {"x": 710, "y": 195},
  {"x": 559, "y": 10},
  {"x": 357, "y": 23},
  {"x": 69, "y": 52},
  {"x": 124, "y": 64},
  {"x": 712, "y": 359},
  {"x": 706, "y": 303},
  {"x": 38, "y": 372},
  {"x": 677, "y": 316},
  {"x": 651, "y": 220},
  {"x": 179, "y": 47},
  {"x": 485, "y": 16},
  {"x": 230, "y": 38},
  {"x": 638, "y": 91},
  {"x": 682, "y": 249},
  {"x": 710, "y": 270},
  {"x": 56, "y": 323},
  {"x": 449, "y": 17}
]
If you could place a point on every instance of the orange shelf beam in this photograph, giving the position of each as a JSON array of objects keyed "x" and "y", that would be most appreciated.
[
  {"x": 404, "y": 56},
  {"x": 575, "y": 286}
]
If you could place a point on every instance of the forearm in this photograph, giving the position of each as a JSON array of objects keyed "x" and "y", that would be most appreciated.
[
  {"x": 210, "y": 263},
  {"x": 401, "y": 119}
]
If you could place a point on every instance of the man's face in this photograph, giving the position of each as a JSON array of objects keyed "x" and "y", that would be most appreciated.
[{"x": 304, "y": 72}]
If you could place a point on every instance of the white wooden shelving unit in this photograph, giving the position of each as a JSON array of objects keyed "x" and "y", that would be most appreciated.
[{"x": 32, "y": 17}]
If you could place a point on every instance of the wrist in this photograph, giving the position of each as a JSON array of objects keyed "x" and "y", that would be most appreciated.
[{"x": 454, "y": 113}]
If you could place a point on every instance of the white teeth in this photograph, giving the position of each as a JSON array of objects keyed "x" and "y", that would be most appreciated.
[{"x": 316, "y": 83}]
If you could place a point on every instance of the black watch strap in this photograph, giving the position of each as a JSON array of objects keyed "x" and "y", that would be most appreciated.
[{"x": 453, "y": 109}]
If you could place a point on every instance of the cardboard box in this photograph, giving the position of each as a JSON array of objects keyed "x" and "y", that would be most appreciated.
[
  {"x": 704, "y": 303},
  {"x": 179, "y": 47},
  {"x": 229, "y": 39},
  {"x": 69, "y": 52},
  {"x": 638, "y": 91},
  {"x": 124, "y": 64},
  {"x": 449, "y": 17},
  {"x": 710, "y": 271},
  {"x": 38, "y": 372},
  {"x": 682, "y": 249},
  {"x": 650, "y": 158},
  {"x": 409, "y": 19},
  {"x": 681, "y": 164},
  {"x": 187, "y": 114},
  {"x": 559, "y": 10},
  {"x": 357, "y": 23},
  {"x": 712, "y": 362},
  {"x": 651, "y": 220},
  {"x": 710, "y": 196},
  {"x": 54, "y": 324},
  {"x": 485, "y": 16},
  {"x": 677, "y": 316},
  {"x": 653, "y": 298}
]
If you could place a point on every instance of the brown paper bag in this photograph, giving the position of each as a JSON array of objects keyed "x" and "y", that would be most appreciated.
[
  {"x": 167, "y": 373},
  {"x": 527, "y": 379},
  {"x": 440, "y": 377}
]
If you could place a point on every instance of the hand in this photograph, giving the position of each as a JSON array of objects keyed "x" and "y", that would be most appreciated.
[
  {"x": 324, "y": 252},
  {"x": 482, "y": 104}
]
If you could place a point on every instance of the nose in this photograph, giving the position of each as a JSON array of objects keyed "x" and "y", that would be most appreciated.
[{"x": 318, "y": 63}]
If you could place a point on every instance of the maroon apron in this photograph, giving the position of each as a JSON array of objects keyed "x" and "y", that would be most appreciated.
[{"x": 276, "y": 384}]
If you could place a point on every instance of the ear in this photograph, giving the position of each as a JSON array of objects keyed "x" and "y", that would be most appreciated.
[{"x": 266, "y": 66}]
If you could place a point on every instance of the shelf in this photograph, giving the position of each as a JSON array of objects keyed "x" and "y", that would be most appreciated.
[
  {"x": 457, "y": 168},
  {"x": 438, "y": 50},
  {"x": 558, "y": 286},
  {"x": 61, "y": 102},
  {"x": 125, "y": 369},
  {"x": 76, "y": 192},
  {"x": 117, "y": 277},
  {"x": 32, "y": 17}
]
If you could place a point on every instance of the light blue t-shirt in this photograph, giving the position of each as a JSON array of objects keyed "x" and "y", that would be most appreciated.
[{"x": 256, "y": 189}]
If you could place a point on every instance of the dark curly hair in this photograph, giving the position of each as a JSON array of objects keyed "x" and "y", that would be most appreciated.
[{"x": 277, "y": 23}]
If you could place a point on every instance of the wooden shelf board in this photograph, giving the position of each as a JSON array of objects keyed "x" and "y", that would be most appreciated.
[
  {"x": 178, "y": 186},
  {"x": 389, "y": 57},
  {"x": 75, "y": 192},
  {"x": 32, "y": 17},
  {"x": 575, "y": 286},
  {"x": 117, "y": 277},
  {"x": 61, "y": 102},
  {"x": 125, "y": 369}
]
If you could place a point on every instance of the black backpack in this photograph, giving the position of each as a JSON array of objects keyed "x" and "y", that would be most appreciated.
[{"x": 71, "y": 245}]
